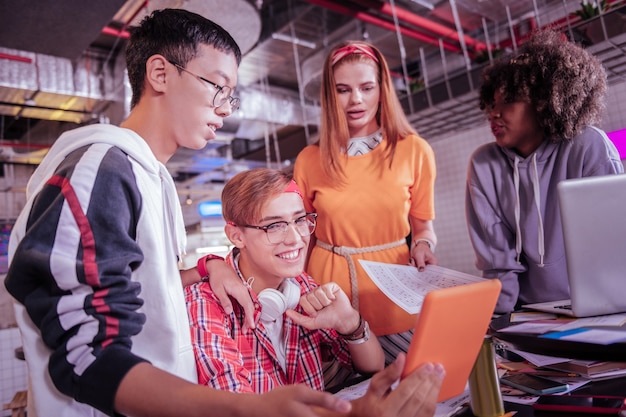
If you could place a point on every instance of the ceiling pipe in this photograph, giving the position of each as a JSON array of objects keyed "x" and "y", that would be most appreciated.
[
  {"x": 123, "y": 33},
  {"x": 431, "y": 26},
  {"x": 368, "y": 18},
  {"x": 11, "y": 57},
  {"x": 23, "y": 145}
]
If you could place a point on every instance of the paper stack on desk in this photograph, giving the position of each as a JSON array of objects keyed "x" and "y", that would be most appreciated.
[{"x": 601, "y": 330}]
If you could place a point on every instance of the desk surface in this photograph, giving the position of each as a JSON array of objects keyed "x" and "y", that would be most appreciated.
[
  {"x": 615, "y": 386},
  {"x": 562, "y": 348},
  {"x": 555, "y": 347}
]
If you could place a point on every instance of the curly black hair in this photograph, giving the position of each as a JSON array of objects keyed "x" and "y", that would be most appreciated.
[{"x": 563, "y": 82}]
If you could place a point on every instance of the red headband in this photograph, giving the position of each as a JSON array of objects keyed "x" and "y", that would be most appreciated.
[
  {"x": 292, "y": 187},
  {"x": 353, "y": 48}
]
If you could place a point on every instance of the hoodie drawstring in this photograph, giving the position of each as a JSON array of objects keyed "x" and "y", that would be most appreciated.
[
  {"x": 174, "y": 219},
  {"x": 540, "y": 231},
  {"x": 518, "y": 229},
  {"x": 537, "y": 198}
]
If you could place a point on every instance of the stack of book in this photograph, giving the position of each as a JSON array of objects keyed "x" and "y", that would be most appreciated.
[{"x": 592, "y": 369}]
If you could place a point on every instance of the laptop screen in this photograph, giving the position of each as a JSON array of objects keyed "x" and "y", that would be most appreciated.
[{"x": 593, "y": 216}]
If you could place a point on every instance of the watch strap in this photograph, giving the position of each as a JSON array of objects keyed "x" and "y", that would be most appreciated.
[
  {"x": 430, "y": 243},
  {"x": 360, "y": 335},
  {"x": 204, "y": 273}
]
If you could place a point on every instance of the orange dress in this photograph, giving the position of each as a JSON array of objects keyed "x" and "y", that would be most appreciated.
[{"x": 371, "y": 209}]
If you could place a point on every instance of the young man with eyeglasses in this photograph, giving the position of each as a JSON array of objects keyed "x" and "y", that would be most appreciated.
[{"x": 300, "y": 324}]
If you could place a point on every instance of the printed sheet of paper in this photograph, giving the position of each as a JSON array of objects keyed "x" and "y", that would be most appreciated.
[{"x": 407, "y": 287}]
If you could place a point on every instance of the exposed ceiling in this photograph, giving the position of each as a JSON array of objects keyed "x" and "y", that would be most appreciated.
[{"x": 61, "y": 64}]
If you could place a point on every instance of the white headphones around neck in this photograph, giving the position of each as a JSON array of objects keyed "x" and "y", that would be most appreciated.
[{"x": 274, "y": 303}]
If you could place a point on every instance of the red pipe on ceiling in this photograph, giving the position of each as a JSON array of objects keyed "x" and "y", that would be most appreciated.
[
  {"x": 434, "y": 27},
  {"x": 107, "y": 30},
  {"x": 16, "y": 58},
  {"x": 368, "y": 18},
  {"x": 123, "y": 33}
]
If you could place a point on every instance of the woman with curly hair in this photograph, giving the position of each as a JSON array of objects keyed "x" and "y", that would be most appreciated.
[{"x": 541, "y": 104}]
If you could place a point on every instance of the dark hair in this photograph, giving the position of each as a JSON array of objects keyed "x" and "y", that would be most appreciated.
[
  {"x": 563, "y": 82},
  {"x": 175, "y": 34}
]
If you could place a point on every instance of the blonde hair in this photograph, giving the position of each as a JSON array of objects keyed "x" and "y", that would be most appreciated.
[{"x": 334, "y": 134}]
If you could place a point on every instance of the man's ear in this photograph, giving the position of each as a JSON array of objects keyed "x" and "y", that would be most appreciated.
[
  {"x": 235, "y": 235},
  {"x": 157, "y": 71}
]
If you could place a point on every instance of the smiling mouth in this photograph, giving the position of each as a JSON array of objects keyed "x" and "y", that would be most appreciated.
[{"x": 289, "y": 256}]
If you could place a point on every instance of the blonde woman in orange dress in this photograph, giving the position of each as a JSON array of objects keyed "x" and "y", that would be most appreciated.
[{"x": 370, "y": 178}]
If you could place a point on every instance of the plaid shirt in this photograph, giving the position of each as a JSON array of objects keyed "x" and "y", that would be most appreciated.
[{"x": 229, "y": 359}]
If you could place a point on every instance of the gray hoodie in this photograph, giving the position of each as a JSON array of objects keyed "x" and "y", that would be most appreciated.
[{"x": 513, "y": 215}]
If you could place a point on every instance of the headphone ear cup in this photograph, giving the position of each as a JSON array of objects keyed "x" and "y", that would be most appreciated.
[
  {"x": 291, "y": 290},
  {"x": 273, "y": 304}
]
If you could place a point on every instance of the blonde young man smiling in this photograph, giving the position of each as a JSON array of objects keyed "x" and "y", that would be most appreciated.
[{"x": 300, "y": 324}]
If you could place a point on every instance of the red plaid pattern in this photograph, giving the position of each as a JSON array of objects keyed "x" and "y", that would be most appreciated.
[{"x": 229, "y": 359}]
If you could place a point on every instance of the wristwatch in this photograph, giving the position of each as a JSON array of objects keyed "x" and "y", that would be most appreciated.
[
  {"x": 204, "y": 274},
  {"x": 360, "y": 335},
  {"x": 430, "y": 244}
]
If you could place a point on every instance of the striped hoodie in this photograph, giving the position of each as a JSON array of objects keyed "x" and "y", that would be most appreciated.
[{"x": 94, "y": 273}]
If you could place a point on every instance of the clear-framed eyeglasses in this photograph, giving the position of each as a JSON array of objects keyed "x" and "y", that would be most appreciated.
[
  {"x": 222, "y": 93},
  {"x": 277, "y": 232}
]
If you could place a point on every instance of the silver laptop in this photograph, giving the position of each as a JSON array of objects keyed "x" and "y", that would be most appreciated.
[{"x": 593, "y": 216}]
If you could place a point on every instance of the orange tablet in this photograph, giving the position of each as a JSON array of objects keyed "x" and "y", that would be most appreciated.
[{"x": 450, "y": 330}]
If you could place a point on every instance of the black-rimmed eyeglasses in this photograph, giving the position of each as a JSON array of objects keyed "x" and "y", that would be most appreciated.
[
  {"x": 222, "y": 93},
  {"x": 277, "y": 232}
]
